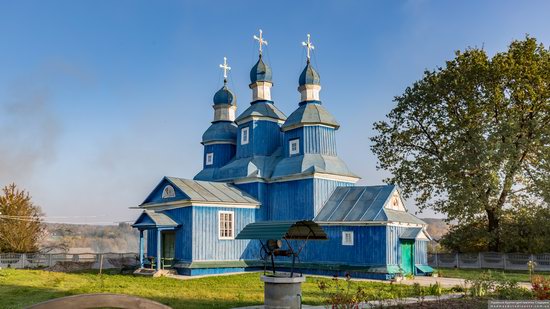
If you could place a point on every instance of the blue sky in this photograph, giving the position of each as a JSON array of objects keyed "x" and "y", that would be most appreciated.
[{"x": 100, "y": 99}]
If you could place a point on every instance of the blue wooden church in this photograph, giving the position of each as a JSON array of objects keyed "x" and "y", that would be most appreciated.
[{"x": 263, "y": 165}]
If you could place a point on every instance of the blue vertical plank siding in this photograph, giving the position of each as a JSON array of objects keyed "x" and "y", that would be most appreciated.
[
  {"x": 292, "y": 200},
  {"x": 367, "y": 250},
  {"x": 223, "y": 153},
  {"x": 184, "y": 234},
  {"x": 313, "y": 139},
  {"x": 264, "y": 137},
  {"x": 421, "y": 252},
  {"x": 258, "y": 190},
  {"x": 151, "y": 243},
  {"x": 206, "y": 243}
]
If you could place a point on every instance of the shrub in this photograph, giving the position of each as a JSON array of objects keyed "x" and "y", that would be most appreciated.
[{"x": 541, "y": 287}]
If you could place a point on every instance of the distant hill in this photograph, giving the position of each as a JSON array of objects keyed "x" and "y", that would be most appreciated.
[
  {"x": 436, "y": 227},
  {"x": 95, "y": 238}
]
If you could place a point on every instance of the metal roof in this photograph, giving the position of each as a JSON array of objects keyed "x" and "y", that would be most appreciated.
[
  {"x": 363, "y": 204},
  {"x": 208, "y": 191},
  {"x": 151, "y": 219},
  {"x": 266, "y": 230},
  {"x": 410, "y": 233},
  {"x": 311, "y": 163},
  {"x": 310, "y": 113},
  {"x": 220, "y": 131},
  {"x": 309, "y": 76},
  {"x": 262, "y": 109}
]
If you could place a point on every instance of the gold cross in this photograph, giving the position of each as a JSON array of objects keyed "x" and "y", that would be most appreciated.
[
  {"x": 309, "y": 46},
  {"x": 260, "y": 40},
  {"x": 225, "y": 67}
]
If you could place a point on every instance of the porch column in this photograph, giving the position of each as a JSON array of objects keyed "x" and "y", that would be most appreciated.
[
  {"x": 140, "y": 248},
  {"x": 158, "y": 257}
]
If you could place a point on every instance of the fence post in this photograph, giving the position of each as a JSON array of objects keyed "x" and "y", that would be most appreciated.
[
  {"x": 23, "y": 259},
  {"x": 456, "y": 260},
  {"x": 50, "y": 260},
  {"x": 436, "y": 260},
  {"x": 479, "y": 257},
  {"x": 504, "y": 260}
]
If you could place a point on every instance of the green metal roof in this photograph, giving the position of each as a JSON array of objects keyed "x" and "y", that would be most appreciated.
[{"x": 266, "y": 230}]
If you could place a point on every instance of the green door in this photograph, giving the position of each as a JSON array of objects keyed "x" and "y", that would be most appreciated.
[
  {"x": 407, "y": 256},
  {"x": 168, "y": 248}
]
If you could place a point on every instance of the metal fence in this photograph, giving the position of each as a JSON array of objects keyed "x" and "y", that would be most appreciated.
[
  {"x": 507, "y": 261},
  {"x": 84, "y": 260}
]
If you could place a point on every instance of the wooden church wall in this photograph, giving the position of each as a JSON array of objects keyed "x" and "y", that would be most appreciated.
[
  {"x": 368, "y": 246},
  {"x": 264, "y": 138},
  {"x": 223, "y": 153},
  {"x": 206, "y": 242},
  {"x": 258, "y": 190},
  {"x": 394, "y": 249},
  {"x": 313, "y": 139},
  {"x": 184, "y": 233}
]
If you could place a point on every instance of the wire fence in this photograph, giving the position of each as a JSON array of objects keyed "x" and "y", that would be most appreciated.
[
  {"x": 80, "y": 261},
  {"x": 495, "y": 260}
]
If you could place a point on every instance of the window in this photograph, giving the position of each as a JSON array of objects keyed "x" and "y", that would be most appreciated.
[
  {"x": 226, "y": 224},
  {"x": 209, "y": 158},
  {"x": 347, "y": 238},
  {"x": 168, "y": 192},
  {"x": 244, "y": 136},
  {"x": 294, "y": 146}
]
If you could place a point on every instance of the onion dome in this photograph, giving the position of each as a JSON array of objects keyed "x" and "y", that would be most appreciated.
[
  {"x": 260, "y": 72},
  {"x": 224, "y": 96},
  {"x": 309, "y": 76},
  {"x": 223, "y": 131}
]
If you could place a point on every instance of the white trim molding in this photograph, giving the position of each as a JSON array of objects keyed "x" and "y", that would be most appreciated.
[
  {"x": 347, "y": 238},
  {"x": 245, "y": 135}
]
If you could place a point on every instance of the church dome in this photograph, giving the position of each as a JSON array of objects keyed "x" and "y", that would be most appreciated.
[
  {"x": 260, "y": 72},
  {"x": 224, "y": 96},
  {"x": 223, "y": 131},
  {"x": 309, "y": 76}
]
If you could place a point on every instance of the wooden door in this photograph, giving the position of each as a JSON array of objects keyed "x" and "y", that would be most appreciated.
[{"x": 407, "y": 257}]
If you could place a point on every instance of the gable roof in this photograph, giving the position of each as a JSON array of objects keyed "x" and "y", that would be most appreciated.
[
  {"x": 206, "y": 191},
  {"x": 412, "y": 233},
  {"x": 151, "y": 219},
  {"x": 363, "y": 204}
]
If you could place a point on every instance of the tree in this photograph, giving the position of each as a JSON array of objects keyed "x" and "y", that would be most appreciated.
[
  {"x": 20, "y": 225},
  {"x": 469, "y": 136}
]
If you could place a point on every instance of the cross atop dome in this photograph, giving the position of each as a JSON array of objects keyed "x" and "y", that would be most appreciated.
[
  {"x": 309, "y": 46},
  {"x": 225, "y": 69},
  {"x": 261, "y": 41}
]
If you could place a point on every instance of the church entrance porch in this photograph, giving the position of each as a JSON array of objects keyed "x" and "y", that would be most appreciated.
[
  {"x": 168, "y": 248},
  {"x": 407, "y": 257}
]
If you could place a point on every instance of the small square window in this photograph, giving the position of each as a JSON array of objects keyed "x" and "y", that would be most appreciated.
[
  {"x": 244, "y": 136},
  {"x": 226, "y": 224},
  {"x": 209, "y": 158},
  {"x": 294, "y": 146},
  {"x": 347, "y": 238}
]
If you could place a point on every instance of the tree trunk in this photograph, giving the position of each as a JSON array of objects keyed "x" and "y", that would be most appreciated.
[{"x": 493, "y": 228}]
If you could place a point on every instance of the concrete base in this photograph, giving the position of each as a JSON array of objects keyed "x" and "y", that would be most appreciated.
[{"x": 282, "y": 292}]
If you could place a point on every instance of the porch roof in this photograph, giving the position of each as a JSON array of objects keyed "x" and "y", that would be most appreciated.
[
  {"x": 266, "y": 230},
  {"x": 150, "y": 220},
  {"x": 412, "y": 233}
]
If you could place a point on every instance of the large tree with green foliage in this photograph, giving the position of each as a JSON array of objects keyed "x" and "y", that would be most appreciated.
[
  {"x": 470, "y": 136},
  {"x": 20, "y": 225}
]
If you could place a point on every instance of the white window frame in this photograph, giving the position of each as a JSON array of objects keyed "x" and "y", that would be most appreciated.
[
  {"x": 168, "y": 192},
  {"x": 292, "y": 142},
  {"x": 209, "y": 158},
  {"x": 345, "y": 241},
  {"x": 231, "y": 229},
  {"x": 244, "y": 140}
]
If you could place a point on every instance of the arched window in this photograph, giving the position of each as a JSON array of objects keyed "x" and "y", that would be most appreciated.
[{"x": 168, "y": 192}]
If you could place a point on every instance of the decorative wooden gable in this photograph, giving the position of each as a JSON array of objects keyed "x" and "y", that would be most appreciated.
[{"x": 164, "y": 192}]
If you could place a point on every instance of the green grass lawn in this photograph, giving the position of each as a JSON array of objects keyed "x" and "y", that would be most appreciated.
[
  {"x": 20, "y": 288},
  {"x": 474, "y": 273}
]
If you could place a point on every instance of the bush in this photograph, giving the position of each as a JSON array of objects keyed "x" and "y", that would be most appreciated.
[{"x": 541, "y": 287}]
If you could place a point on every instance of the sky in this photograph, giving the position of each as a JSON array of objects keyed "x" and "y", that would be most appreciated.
[{"x": 100, "y": 99}]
